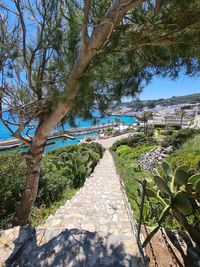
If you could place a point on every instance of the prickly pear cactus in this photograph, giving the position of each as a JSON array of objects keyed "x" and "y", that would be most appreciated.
[{"x": 178, "y": 191}]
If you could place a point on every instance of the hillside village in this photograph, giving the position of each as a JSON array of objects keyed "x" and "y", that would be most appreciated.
[{"x": 165, "y": 113}]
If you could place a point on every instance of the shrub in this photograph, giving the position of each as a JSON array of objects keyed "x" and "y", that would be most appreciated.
[
  {"x": 128, "y": 153},
  {"x": 54, "y": 178},
  {"x": 188, "y": 159},
  {"x": 167, "y": 131},
  {"x": 61, "y": 170},
  {"x": 188, "y": 154},
  {"x": 129, "y": 169},
  {"x": 178, "y": 138},
  {"x": 150, "y": 131},
  {"x": 123, "y": 150},
  {"x": 133, "y": 141},
  {"x": 12, "y": 180}
]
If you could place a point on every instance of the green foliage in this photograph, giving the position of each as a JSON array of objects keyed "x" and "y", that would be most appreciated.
[
  {"x": 133, "y": 141},
  {"x": 40, "y": 213},
  {"x": 62, "y": 171},
  {"x": 80, "y": 166},
  {"x": 54, "y": 179},
  {"x": 129, "y": 169},
  {"x": 128, "y": 153},
  {"x": 12, "y": 181},
  {"x": 174, "y": 186},
  {"x": 150, "y": 131},
  {"x": 123, "y": 150},
  {"x": 178, "y": 192},
  {"x": 111, "y": 132},
  {"x": 168, "y": 131},
  {"x": 188, "y": 154},
  {"x": 178, "y": 138},
  {"x": 182, "y": 203},
  {"x": 96, "y": 147}
]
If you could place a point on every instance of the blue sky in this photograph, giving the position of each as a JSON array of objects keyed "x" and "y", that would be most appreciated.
[{"x": 164, "y": 87}]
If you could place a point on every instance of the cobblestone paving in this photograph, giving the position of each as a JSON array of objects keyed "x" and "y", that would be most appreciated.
[{"x": 93, "y": 229}]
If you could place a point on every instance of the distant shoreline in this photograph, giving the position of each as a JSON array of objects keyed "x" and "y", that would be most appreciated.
[{"x": 120, "y": 115}]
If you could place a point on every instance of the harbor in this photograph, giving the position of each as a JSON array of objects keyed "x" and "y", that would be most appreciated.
[{"x": 73, "y": 134}]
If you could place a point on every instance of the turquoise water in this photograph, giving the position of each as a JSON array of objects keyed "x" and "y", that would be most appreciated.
[
  {"x": 56, "y": 143},
  {"x": 5, "y": 134},
  {"x": 60, "y": 142}
]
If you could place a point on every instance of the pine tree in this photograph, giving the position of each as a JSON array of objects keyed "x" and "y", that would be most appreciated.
[{"x": 59, "y": 59}]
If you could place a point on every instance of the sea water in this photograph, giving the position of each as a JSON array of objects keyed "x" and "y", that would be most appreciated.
[{"x": 60, "y": 142}]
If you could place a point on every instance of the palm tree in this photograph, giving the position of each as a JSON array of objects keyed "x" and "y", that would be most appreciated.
[{"x": 146, "y": 115}]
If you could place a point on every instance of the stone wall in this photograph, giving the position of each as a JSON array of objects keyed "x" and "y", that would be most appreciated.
[{"x": 151, "y": 159}]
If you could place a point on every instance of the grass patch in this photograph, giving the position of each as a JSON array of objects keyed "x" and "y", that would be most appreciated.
[
  {"x": 40, "y": 214},
  {"x": 130, "y": 171},
  {"x": 187, "y": 154}
]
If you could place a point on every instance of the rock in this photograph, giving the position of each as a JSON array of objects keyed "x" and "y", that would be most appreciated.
[
  {"x": 12, "y": 241},
  {"x": 151, "y": 159}
]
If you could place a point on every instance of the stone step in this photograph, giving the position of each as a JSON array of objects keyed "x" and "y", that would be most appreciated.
[{"x": 93, "y": 229}]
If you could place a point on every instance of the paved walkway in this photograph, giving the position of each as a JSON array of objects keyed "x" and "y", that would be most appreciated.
[
  {"x": 107, "y": 143},
  {"x": 93, "y": 229}
]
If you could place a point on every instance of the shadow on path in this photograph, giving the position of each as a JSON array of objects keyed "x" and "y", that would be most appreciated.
[{"x": 71, "y": 248}]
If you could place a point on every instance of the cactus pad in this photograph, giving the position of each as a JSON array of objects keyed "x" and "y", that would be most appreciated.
[{"x": 182, "y": 203}]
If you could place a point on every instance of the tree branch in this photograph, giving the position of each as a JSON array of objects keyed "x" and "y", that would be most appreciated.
[
  {"x": 23, "y": 26},
  {"x": 85, "y": 37},
  {"x": 98, "y": 39},
  {"x": 158, "y": 6}
]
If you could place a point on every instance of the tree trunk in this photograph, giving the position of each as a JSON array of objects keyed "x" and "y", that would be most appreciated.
[
  {"x": 181, "y": 119},
  {"x": 193, "y": 233},
  {"x": 33, "y": 159},
  {"x": 97, "y": 41}
]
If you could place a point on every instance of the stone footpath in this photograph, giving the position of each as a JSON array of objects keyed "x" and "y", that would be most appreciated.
[{"x": 93, "y": 229}]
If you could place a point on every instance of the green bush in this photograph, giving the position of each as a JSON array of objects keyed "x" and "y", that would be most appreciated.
[
  {"x": 129, "y": 153},
  {"x": 130, "y": 171},
  {"x": 151, "y": 131},
  {"x": 188, "y": 154},
  {"x": 54, "y": 178},
  {"x": 126, "y": 157},
  {"x": 178, "y": 138},
  {"x": 123, "y": 150},
  {"x": 178, "y": 192},
  {"x": 12, "y": 180},
  {"x": 96, "y": 147},
  {"x": 167, "y": 131},
  {"x": 133, "y": 141},
  {"x": 61, "y": 170}
]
